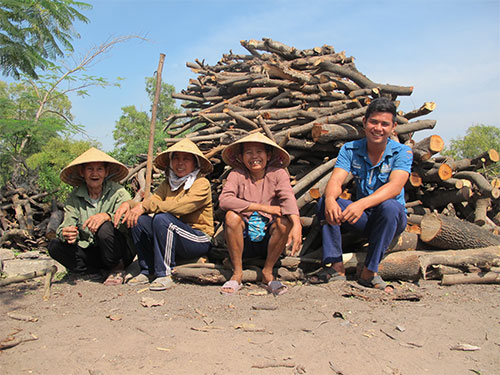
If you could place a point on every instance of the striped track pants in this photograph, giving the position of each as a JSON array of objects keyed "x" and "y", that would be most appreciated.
[{"x": 160, "y": 239}]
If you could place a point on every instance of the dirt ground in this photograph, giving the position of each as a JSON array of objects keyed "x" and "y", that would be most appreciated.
[{"x": 337, "y": 328}]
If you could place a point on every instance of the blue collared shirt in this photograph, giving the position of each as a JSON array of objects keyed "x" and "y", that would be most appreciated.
[{"x": 353, "y": 158}]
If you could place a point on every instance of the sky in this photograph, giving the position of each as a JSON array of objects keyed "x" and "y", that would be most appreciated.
[{"x": 448, "y": 50}]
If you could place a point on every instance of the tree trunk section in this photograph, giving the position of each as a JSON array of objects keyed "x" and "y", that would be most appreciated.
[{"x": 446, "y": 232}]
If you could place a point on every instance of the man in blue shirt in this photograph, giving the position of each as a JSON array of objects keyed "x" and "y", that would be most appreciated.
[{"x": 380, "y": 167}]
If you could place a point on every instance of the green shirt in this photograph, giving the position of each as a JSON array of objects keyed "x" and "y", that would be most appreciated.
[{"x": 79, "y": 207}]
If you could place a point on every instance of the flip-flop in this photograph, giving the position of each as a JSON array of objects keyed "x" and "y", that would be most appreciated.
[
  {"x": 325, "y": 275},
  {"x": 115, "y": 278},
  {"x": 140, "y": 279},
  {"x": 375, "y": 282},
  {"x": 276, "y": 287},
  {"x": 161, "y": 283},
  {"x": 230, "y": 287}
]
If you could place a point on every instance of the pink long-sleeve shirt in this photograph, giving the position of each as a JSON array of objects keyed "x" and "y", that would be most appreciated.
[{"x": 240, "y": 190}]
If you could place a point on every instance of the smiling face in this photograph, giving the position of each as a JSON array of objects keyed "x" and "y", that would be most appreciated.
[
  {"x": 94, "y": 174},
  {"x": 255, "y": 158},
  {"x": 379, "y": 127},
  {"x": 182, "y": 163}
]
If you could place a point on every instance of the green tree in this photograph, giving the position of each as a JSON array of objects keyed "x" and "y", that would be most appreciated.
[
  {"x": 34, "y": 111},
  {"x": 35, "y": 32},
  {"x": 131, "y": 132},
  {"x": 478, "y": 138},
  {"x": 20, "y": 134},
  {"x": 52, "y": 158}
]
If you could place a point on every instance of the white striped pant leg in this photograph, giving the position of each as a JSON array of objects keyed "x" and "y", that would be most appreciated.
[{"x": 172, "y": 236}]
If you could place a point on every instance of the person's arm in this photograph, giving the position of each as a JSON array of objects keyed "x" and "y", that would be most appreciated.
[
  {"x": 68, "y": 229},
  {"x": 295, "y": 235},
  {"x": 228, "y": 198},
  {"x": 396, "y": 182},
  {"x": 198, "y": 195},
  {"x": 94, "y": 222},
  {"x": 113, "y": 201},
  {"x": 333, "y": 212},
  {"x": 259, "y": 207}
]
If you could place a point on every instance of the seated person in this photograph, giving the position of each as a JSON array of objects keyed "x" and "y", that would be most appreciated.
[
  {"x": 261, "y": 210},
  {"x": 182, "y": 224},
  {"x": 380, "y": 167},
  {"x": 87, "y": 240}
]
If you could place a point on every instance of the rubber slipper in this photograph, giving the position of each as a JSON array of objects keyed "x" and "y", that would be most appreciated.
[
  {"x": 276, "y": 287},
  {"x": 325, "y": 275},
  {"x": 375, "y": 282},
  {"x": 230, "y": 287},
  {"x": 115, "y": 278},
  {"x": 161, "y": 283},
  {"x": 140, "y": 279}
]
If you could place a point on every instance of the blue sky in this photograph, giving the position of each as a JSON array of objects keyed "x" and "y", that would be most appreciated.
[{"x": 448, "y": 50}]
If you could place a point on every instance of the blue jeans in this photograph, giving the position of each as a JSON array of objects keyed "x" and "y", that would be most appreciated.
[
  {"x": 162, "y": 238},
  {"x": 380, "y": 224}
]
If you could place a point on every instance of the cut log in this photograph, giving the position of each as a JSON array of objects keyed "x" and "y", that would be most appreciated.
[
  {"x": 324, "y": 133},
  {"x": 441, "y": 172},
  {"x": 427, "y": 147},
  {"x": 487, "y": 158},
  {"x": 412, "y": 265},
  {"x": 415, "y": 126},
  {"x": 472, "y": 278},
  {"x": 312, "y": 176},
  {"x": 482, "y": 205},
  {"x": 441, "y": 198},
  {"x": 425, "y": 109},
  {"x": 481, "y": 182},
  {"x": 451, "y": 233},
  {"x": 56, "y": 218}
]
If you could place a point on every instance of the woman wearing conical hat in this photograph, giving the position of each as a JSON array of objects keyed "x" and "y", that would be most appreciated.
[
  {"x": 87, "y": 240},
  {"x": 261, "y": 210},
  {"x": 182, "y": 224}
]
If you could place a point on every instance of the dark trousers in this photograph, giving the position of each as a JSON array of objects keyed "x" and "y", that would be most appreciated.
[
  {"x": 162, "y": 238},
  {"x": 380, "y": 224},
  {"x": 109, "y": 249}
]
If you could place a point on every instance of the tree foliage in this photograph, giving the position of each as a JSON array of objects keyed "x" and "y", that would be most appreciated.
[
  {"x": 131, "y": 132},
  {"x": 20, "y": 136},
  {"x": 35, "y": 32},
  {"x": 478, "y": 138},
  {"x": 52, "y": 158}
]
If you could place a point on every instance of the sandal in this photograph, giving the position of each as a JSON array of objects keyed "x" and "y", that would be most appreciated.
[
  {"x": 115, "y": 278},
  {"x": 375, "y": 282},
  {"x": 230, "y": 287},
  {"x": 276, "y": 287},
  {"x": 161, "y": 283},
  {"x": 140, "y": 279},
  {"x": 325, "y": 275}
]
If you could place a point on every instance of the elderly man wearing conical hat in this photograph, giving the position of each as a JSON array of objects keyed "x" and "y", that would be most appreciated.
[
  {"x": 261, "y": 211},
  {"x": 87, "y": 240},
  {"x": 182, "y": 224}
]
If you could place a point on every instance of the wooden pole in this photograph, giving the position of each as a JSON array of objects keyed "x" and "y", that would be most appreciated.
[{"x": 149, "y": 164}]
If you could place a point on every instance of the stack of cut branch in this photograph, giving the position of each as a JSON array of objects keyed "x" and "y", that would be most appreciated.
[
  {"x": 311, "y": 102},
  {"x": 25, "y": 217}
]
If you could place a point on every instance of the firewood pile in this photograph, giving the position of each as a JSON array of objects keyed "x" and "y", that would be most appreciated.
[
  {"x": 311, "y": 102},
  {"x": 27, "y": 221}
]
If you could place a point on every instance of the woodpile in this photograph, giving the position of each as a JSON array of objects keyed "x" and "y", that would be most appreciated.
[
  {"x": 27, "y": 221},
  {"x": 311, "y": 102}
]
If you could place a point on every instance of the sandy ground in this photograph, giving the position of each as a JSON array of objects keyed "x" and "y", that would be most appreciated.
[{"x": 336, "y": 328}]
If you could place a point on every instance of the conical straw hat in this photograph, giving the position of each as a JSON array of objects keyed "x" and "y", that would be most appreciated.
[
  {"x": 162, "y": 161},
  {"x": 231, "y": 154},
  {"x": 71, "y": 173}
]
